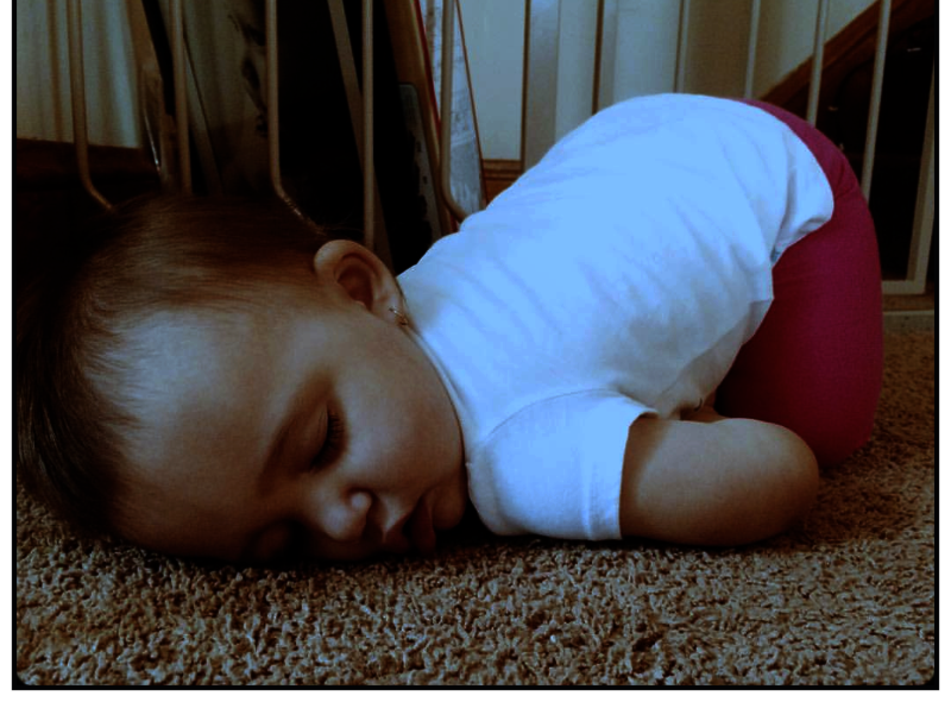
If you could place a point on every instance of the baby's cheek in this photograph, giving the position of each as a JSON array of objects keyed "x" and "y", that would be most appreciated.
[{"x": 271, "y": 544}]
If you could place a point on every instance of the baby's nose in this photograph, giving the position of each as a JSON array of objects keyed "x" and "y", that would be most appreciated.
[{"x": 347, "y": 518}]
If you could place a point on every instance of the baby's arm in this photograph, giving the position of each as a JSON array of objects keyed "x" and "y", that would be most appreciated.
[{"x": 714, "y": 481}]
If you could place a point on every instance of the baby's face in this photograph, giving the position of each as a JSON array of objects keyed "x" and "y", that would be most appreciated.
[{"x": 320, "y": 430}]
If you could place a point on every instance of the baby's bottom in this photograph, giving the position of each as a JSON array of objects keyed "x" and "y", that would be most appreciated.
[{"x": 815, "y": 365}]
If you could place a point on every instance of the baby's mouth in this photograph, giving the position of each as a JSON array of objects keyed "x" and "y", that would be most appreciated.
[{"x": 415, "y": 531}]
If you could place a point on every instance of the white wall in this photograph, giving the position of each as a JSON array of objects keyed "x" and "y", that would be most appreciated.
[
  {"x": 43, "y": 94},
  {"x": 494, "y": 35},
  {"x": 645, "y": 56},
  {"x": 646, "y": 38},
  {"x": 575, "y": 67},
  {"x": 781, "y": 51}
]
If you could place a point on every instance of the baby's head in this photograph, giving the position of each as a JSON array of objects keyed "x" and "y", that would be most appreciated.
[{"x": 216, "y": 379}]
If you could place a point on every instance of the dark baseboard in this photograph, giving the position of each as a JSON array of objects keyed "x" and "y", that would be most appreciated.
[{"x": 499, "y": 174}]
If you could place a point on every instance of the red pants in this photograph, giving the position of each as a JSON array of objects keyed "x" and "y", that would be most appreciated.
[{"x": 815, "y": 365}]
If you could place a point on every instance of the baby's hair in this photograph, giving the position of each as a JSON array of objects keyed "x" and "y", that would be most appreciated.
[{"x": 149, "y": 256}]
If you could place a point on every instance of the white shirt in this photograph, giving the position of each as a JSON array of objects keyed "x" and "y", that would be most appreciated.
[{"x": 618, "y": 277}]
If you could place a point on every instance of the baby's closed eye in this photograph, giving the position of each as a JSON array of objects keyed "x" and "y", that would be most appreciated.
[{"x": 334, "y": 435}]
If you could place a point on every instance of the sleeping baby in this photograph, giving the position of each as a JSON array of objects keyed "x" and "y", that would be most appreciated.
[{"x": 663, "y": 330}]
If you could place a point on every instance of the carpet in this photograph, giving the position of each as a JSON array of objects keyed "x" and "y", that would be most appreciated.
[{"x": 846, "y": 598}]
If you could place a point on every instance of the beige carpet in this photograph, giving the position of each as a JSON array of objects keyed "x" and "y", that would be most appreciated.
[{"x": 848, "y": 598}]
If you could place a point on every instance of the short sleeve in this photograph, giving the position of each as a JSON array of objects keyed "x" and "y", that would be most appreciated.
[{"x": 555, "y": 468}]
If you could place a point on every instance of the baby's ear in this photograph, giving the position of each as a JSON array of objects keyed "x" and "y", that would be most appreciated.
[{"x": 354, "y": 270}]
